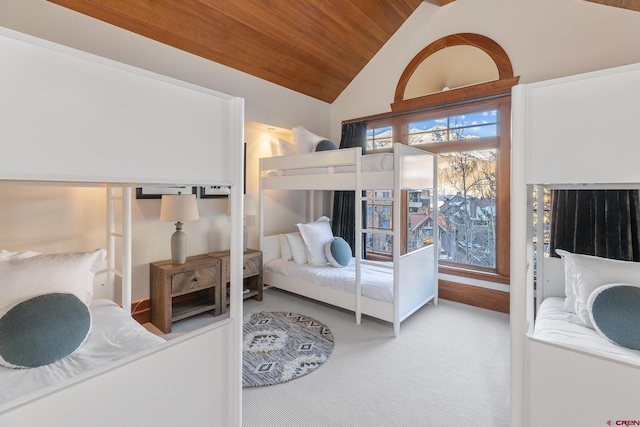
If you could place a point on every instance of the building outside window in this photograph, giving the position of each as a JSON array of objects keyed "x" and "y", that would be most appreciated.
[{"x": 470, "y": 169}]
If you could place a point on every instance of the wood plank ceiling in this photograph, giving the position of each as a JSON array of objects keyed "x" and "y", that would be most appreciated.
[
  {"x": 310, "y": 46},
  {"x": 315, "y": 47},
  {"x": 624, "y": 4}
]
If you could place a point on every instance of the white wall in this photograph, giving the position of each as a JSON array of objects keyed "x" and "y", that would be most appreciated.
[
  {"x": 543, "y": 38},
  {"x": 55, "y": 219}
]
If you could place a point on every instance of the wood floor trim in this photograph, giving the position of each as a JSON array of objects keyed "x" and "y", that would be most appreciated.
[{"x": 473, "y": 295}]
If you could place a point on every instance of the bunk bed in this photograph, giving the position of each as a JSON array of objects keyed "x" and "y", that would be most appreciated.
[
  {"x": 564, "y": 373},
  {"x": 74, "y": 119},
  {"x": 389, "y": 291}
]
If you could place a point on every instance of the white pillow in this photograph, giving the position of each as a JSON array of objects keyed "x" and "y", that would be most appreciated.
[
  {"x": 275, "y": 148},
  {"x": 298, "y": 250},
  {"x": 285, "y": 249},
  {"x": 286, "y": 148},
  {"x": 5, "y": 255},
  {"x": 24, "y": 278},
  {"x": 316, "y": 235},
  {"x": 569, "y": 278},
  {"x": 304, "y": 140},
  {"x": 585, "y": 273}
]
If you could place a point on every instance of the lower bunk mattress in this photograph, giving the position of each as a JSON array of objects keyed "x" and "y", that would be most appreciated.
[
  {"x": 552, "y": 324},
  {"x": 376, "y": 281},
  {"x": 113, "y": 335}
]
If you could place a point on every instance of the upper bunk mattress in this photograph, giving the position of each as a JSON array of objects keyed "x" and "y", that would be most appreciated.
[
  {"x": 113, "y": 335},
  {"x": 377, "y": 282},
  {"x": 552, "y": 324},
  {"x": 379, "y": 162}
]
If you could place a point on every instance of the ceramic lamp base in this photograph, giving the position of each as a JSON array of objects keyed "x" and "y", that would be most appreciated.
[{"x": 179, "y": 245}]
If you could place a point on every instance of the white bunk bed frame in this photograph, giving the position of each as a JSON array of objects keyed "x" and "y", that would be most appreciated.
[
  {"x": 413, "y": 169},
  {"x": 553, "y": 121},
  {"x": 71, "y": 118}
]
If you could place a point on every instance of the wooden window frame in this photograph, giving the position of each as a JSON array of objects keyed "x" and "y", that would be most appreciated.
[
  {"x": 495, "y": 94},
  {"x": 502, "y": 145}
]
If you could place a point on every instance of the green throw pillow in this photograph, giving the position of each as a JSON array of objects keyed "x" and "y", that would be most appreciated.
[{"x": 42, "y": 330}]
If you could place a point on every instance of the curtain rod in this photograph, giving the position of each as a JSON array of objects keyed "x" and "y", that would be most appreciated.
[{"x": 422, "y": 110}]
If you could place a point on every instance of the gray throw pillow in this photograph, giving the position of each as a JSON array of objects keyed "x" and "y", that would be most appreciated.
[
  {"x": 338, "y": 252},
  {"x": 615, "y": 312},
  {"x": 325, "y": 145},
  {"x": 42, "y": 330}
]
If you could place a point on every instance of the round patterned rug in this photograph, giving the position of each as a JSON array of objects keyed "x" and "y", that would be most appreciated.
[{"x": 279, "y": 347}]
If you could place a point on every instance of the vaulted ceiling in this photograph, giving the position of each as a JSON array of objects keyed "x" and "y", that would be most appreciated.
[{"x": 315, "y": 47}]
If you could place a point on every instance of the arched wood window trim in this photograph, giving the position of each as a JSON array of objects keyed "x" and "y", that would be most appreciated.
[{"x": 498, "y": 87}]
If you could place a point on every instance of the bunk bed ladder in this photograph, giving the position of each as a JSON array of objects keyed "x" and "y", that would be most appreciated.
[
  {"x": 358, "y": 235},
  {"x": 125, "y": 244}
]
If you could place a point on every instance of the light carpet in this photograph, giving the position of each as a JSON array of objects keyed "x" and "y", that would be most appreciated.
[
  {"x": 449, "y": 367},
  {"x": 281, "y": 346}
]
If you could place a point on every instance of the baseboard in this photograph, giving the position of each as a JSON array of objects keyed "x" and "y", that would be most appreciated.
[
  {"x": 141, "y": 310},
  {"x": 474, "y": 295}
]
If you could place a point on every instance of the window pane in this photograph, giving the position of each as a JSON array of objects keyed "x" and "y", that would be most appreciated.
[
  {"x": 421, "y": 218},
  {"x": 467, "y": 199},
  {"x": 379, "y": 138},
  {"x": 379, "y": 217},
  {"x": 481, "y": 124}
]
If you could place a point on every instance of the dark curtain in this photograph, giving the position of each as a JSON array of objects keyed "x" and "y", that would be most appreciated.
[
  {"x": 603, "y": 223},
  {"x": 354, "y": 134}
]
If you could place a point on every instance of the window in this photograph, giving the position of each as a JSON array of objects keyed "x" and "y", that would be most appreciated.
[
  {"x": 379, "y": 220},
  {"x": 459, "y": 127},
  {"x": 467, "y": 144},
  {"x": 379, "y": 137},
  {"x": 456, "y": 102},
  {"x": 473, "y": 185}
]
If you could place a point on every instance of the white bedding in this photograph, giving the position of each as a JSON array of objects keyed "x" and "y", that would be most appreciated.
[
  {"x": 113, "y": 335},
  {"x": 377, "y": 162},
  {"x": 377, "y": 282},
  {"x": 552, "y": 325}
]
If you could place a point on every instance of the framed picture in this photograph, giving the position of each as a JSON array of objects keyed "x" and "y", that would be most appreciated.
[
  {"x": 156, "y": 192},
  {"x": 211, "y": 191}
]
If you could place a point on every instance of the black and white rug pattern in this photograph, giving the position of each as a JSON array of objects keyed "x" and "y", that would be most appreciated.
[{"x": 280, "y": 346}]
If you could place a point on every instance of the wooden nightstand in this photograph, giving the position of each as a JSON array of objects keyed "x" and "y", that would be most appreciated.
[
  {"x": 179, "y": 291},
  {"x": 251, "y": 272}
]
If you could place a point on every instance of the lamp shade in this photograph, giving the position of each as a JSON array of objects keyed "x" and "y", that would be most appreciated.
[{"x": 179, "y": 208}]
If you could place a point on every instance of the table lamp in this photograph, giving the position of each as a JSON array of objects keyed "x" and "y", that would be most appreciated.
[{"x": 178, "y": 208}]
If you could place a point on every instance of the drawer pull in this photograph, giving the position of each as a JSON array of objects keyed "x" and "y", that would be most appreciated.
[{"x": 195, "y": 279}]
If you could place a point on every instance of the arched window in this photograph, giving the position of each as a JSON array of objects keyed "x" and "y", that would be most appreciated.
[{"x": 454, "y": 99}]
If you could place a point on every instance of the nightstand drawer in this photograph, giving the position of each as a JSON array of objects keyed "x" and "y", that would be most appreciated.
[
  {"x": 251, "y": 266},
  {"x": 190, "y": 281}
]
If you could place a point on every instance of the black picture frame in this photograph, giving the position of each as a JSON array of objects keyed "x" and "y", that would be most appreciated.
[
  {"x": 156, "y": 191},
  {"x": 214, "y": 191}
]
